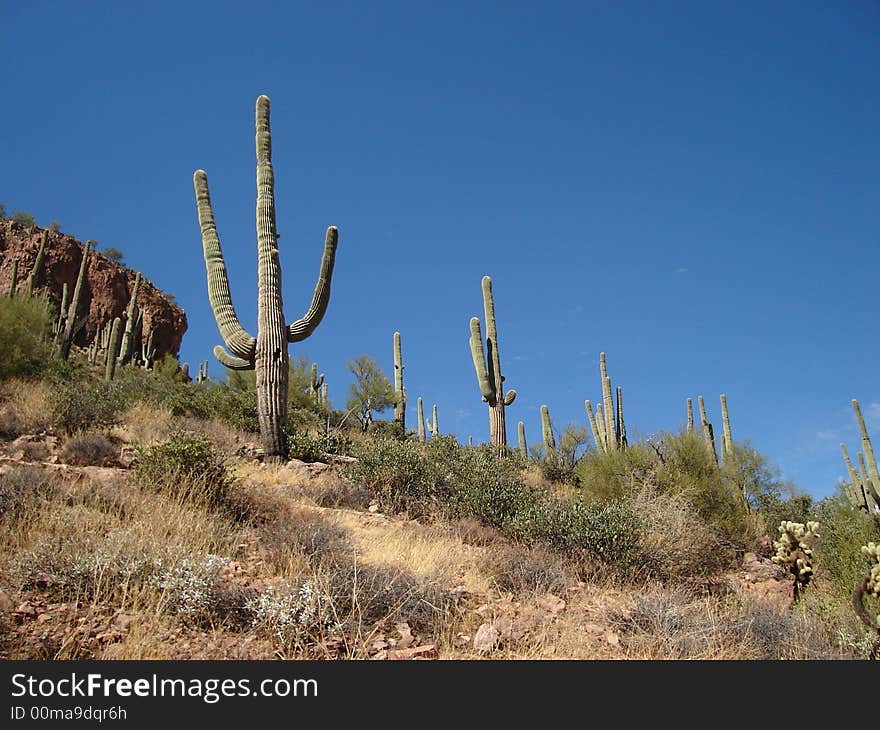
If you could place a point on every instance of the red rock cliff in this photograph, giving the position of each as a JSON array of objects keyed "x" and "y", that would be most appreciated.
[{"x": 108, "y": 288}]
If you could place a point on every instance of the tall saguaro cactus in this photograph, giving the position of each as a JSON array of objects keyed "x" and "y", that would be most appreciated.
[
  {"x": 37, "y": 271},
  {"x": 594, "y": 427},
  {"x": 547, "y": 433},
  {"x": 521, "y": 437},
  {"x": 708, "y": 431},
  {"x": 690, "y": 412},
  {"x": 608, "y": 405},
  {"x": 872, "y": 475},
  {"x": 488, "y": 367},
  {"x": 14, "y": 283},
  {"x": 727, "y": 439},
  {"x": 420, "y": 414},
  {"x": 110, "y": 359},
  {"x": 432, "y": 425},
  {"x": 127, "y": 349},
  {"x": 399, "y": 390},
  {"x": 316, "y": 382},
  {"x": 267, "y": 352},
  {"x": 71, "y": 323}
]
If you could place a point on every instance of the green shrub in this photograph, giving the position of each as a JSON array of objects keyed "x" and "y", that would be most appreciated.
[
  {"x": 25, "y": 325},
  {"x": 609, "y": 476},
  {"x": 185, "y": 466},
  {"x": 82, "y": 404}
]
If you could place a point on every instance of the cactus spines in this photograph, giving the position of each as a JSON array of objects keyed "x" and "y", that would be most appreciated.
[
  {"x": 708, "y": 431},
  {"x": 794, "y": 551},
  {"x": 267, "y": 352},
  {"x": 608, "y": 401},
  {"x": 71, "y": 325},
  {"x": 399, "y": 391},
  {"x": 488, "y": 368},
  {"x": 547, "y": 432},
  {"x": 521, "y": 438},
  {"x": 869, "y": 586},
  {"x": 726, "y": 439},
  {"x": 14, "y": 283},
  {"x": 420, "y": 413},
  {"x": 125, "y": 351},
  {"x": 110, "y": 359},
  {"x": 38, "y": 264},
  {"x": 600, "y": 446},
  {"x": 690, "y": 412}
]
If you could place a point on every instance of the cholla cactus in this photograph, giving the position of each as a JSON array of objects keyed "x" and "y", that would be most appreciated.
[
  {"x": 794, "y": 551},
  {"x": 869, "y": 586}
]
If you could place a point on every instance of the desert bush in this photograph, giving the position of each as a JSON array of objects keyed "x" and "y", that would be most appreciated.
[
  {"x": 84, "y": 404},
  {"x": 23, "y": 490},
  {"x": 25, "y": 324},
  {"x": 295, "y": 616},
  {"x": 609, "y": 476},
  {"x": 89, "y": 449},
  {"x": 290, "y": 536},
  {"x": 517, "y": 569},
  {"x": 189, "y": 586},
  {"x": 185, "y": 466},
  {"x": 24, "y": 407}
]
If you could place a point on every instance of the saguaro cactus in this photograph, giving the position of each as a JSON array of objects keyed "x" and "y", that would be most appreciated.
[
  {"x": 420, "y": 413},
  {"x": 14, "y": 284},
  {"x": 127, "y": 348},
  {"x": 202, "y": 374},
  {"x": 867, "y": 450},
  {"x": 690, "y": 412},
  {"x": 594, "y": 427},
  {"x": 399, "y": 390},
  {"x": 432, "y": 424},
  {"x": 708, "y": 431},
  {"x": 727, "y": 439},
  {"x": 71, "y": 323},
  {"x": 608, "y": 402},
  {"x": 488, "y": 367},
  {"x": 267, "y": 352},
  {"x": 621, "y": 426},
  {"x": 110, "y": 364},
  {"x": 37, "y": 271},
  {"x": 148, "y": 352},
  {"x": 521, "y": 437},
  {"x": 547, "y": 433}
]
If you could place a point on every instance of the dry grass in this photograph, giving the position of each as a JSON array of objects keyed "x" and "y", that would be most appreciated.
[
  {"x": 24, "y": 407},
  {"x": 145, "y": 424}
]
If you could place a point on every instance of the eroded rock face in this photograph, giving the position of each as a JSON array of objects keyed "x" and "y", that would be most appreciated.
[{"x": 109, "y": 284}]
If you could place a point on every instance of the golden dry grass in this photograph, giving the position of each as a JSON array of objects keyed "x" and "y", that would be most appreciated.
[{"x": 24, "y": 406}]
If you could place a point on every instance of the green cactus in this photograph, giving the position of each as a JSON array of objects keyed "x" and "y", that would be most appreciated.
[
  {"x": 14, "y": 284},
  {"x": 621, "y": 426},
  {"x": 202, "y": 374},
  {"x": 432, "y": 424},
  {"x": 608, "y": 405},
  {"x": 521, "y": 437},
  {"x": 399, "y": 390},
  {"x": 690, "y": 416},
  {"x": 597, "y": 437},
  {"x": 854, "y": 491},
  {"x": 58, "y": 325},
  {"x": 315, "y": 383},
  {"x": 110, "y": 364},
  {"x": 872, "y": 482},
  {"x": 794, "y": 551},
  {"x": 37, "y": 271},
  {"x": 488, "y": 368},
  {"x": 128, "y": 337},
  {"x": 600, "y": 424},
  {"x": 547, "y": 433},
  {"x": 325, "y": 400},
  {"x": 470, "y": 440},
  {"x": 267, "y": 352},
  {"x": 708, "y": 431},
  {"x": 726, "y": 439},
  {"x": 420, "y": 413},
  {"x": 72, "y": 324},
  {"x": 148, "y": 352}
]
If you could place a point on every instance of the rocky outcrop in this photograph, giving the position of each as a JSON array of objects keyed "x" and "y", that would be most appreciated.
[{"x": 108, "y": 289}]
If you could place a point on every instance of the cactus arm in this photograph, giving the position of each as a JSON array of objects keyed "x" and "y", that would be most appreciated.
[
  {"x": 621, "y": 425},
  {"x": 593, "y": 426},
  {"x": 231, "y": 361},
  {"x": 547, "y": 430},
  {"x": 125, "y": 352},
  {"x": 873, "y": 480},
  {"x": 608, "y": 404},
  {"x": 236, "y": 338},
  {"x": 521, "y": 436},
  {"x": 727, "y": 439},
  {"x": 110, "y": 359},
  {"x": 479, "y": 358},
  {"x": 303, "y": 327},
  {"x": 509, "y": 397}
]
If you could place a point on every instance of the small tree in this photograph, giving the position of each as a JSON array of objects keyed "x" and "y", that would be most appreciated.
[
  {"x": 26, "y": 219},
  {"x": 571, "y": 439},
  {"x": 370, "y": 392},
  {"x": 113, "y": 253},
  {"x": 55, "y": 226}
]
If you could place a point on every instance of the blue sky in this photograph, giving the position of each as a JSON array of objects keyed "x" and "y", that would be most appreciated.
[{"x": 690, "y": 187}]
